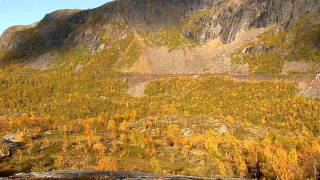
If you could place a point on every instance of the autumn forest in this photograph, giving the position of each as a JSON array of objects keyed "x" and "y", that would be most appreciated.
[{"x": 211, "y": 126}]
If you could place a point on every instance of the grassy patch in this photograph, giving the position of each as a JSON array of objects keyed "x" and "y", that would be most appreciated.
[{"x": 172, "y": 38}]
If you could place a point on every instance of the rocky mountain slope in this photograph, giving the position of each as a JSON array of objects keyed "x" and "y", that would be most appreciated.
[{"x": 174, "y": 36}]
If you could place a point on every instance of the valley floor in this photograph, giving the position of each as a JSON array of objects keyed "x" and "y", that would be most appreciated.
[{"x": 208, "y": 125}]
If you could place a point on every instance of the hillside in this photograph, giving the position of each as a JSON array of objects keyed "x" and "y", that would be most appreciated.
[
  {"x": 169, "y": 88},
  {"x": 184, "y": 37}
]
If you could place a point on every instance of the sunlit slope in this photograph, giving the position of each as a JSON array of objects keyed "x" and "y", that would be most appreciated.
[
  {"x": 172, "y": 37},
  {"x": 224, "y": 127}
]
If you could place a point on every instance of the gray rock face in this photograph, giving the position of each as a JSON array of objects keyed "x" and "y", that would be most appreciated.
[
  {"x": 104, "y": 175},
  {"x": 10, "y": 39},
  {"x": 232, "y": 17},
  {"x": 55, "y": 27},
  {"x": 219, "y": 19}
]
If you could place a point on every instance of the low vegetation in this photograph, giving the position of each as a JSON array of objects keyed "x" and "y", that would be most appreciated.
[
  {"x": 78, "y": 114},
  {"x": 171, "y": 38},
  {"x": 209, "y": 126}
]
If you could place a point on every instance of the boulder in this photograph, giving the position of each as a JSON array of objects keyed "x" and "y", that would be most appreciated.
[
  {"x": 222, "y": 129},
  {"x": 13, "y": 138}
]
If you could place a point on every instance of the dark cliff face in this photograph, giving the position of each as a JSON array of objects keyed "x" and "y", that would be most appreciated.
[
  {"x": 207, "y": 19},
  {"x": 10, "y": 37},
  {"x": 55, "y": 27},
  {"x": 230, "y": 18},
  {"x": 148, "y": 14}
]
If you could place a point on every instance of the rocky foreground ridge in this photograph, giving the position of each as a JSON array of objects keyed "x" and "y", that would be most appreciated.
[
  {"x": 159, "y": 31},
  {"x": 104, "y": 175}
]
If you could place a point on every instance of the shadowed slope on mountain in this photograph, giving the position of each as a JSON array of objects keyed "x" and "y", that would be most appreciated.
[{"x": 174, "y": 24}]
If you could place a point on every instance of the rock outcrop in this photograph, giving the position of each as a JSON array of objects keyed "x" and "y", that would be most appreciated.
[
  {"x": 9, "y": 144},
  {"x": 11, "y": 38},
  {"x": 103, "y": 175},
  {"x": 313, "y": 90}
]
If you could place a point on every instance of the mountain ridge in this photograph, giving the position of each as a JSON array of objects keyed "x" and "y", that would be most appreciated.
[{"x": 173, "y": 24}]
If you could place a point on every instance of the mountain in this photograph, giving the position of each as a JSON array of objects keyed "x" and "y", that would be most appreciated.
[
  {"x": 126, "y": 87},
  {"x": 174, "y": 36}
]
